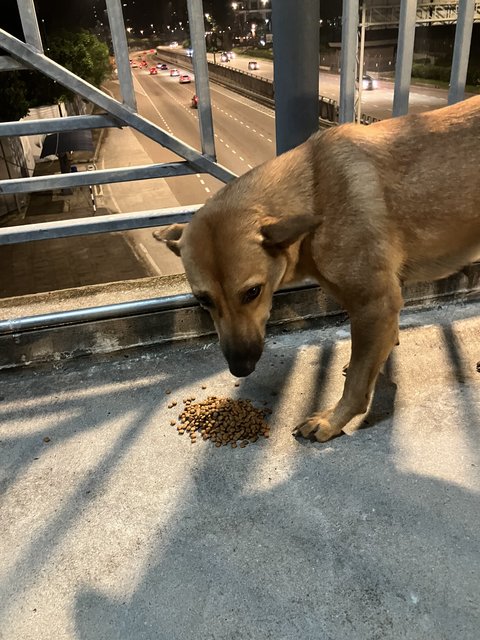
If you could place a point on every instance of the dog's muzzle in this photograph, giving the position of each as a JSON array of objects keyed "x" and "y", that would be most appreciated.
[{"x": 242, "y": 362}]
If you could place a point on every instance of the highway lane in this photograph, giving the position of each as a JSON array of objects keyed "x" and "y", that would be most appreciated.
[
  {"x": 244, "y": 130},
  {"x": 377, "y": 103}
]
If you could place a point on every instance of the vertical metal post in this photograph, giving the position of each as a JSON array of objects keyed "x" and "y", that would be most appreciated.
[
  {"x": 296, "y": 43},
  {"x": 461, "y": 50},
  {"x": 348, "y": 60},
  {"x": 361, "y": 63},
  {"x": 200, "y": 69},
  {"x": 31, "y": 30},
  {"x": 403, "y": 68},
  {"x": 120, "y": 48}
]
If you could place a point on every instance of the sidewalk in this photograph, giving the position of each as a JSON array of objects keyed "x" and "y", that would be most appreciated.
[
  {"x": 114, "y": 527},
  {"x": 63, "y": 263}
]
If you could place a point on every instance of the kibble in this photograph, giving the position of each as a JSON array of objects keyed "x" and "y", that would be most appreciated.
[{"x": 223, "y": 421}]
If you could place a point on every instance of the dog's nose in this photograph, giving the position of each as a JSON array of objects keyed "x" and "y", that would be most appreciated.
[
  {"x": 242, "y": 360},
  {"x": 242, "y": 369}
]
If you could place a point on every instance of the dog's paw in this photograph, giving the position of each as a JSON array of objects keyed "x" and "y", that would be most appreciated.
[{"x": 317, "y": 427}]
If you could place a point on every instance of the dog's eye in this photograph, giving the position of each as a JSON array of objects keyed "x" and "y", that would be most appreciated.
[
  {"x": 251, "y": 294},
  {"x": 204, "y": 301}
]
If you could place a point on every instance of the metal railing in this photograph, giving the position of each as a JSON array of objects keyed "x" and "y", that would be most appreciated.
[{"x": 293, "y": 87}]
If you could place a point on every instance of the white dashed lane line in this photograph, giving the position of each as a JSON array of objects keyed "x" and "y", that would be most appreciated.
[
  {"x": 189, "y": 111},
  {"x": 143, "y": 92},
  {"x": 194, "y": 114}
]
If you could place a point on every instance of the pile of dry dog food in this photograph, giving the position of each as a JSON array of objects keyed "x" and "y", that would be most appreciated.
[{"x": 222, "y": 420}]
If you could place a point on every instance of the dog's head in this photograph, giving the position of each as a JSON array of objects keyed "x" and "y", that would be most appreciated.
[{"x": 234, "y": 261}]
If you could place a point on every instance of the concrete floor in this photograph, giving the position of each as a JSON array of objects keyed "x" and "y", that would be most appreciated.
[{"x": 114, "y": 527}]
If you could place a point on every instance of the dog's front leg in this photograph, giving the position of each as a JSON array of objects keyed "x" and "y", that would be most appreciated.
[{"x": 374, "y": 334}]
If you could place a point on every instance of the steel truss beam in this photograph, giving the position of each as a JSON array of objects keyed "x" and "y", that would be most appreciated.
[
  {"x": 101, "y": 176},
  {"x": 54, "y": 125},
  {"x": 98, "y": 224}
]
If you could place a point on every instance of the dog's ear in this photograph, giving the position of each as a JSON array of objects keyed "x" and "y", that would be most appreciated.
[
  {"x": 282, "y": 232},
  {"x": 171, "y": 236}
]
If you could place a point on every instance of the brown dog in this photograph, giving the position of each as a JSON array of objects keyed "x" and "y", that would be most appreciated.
[{"x": 361, "y": 210}]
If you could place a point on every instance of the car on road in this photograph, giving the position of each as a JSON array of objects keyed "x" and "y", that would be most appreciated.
[
  {"x": 184, "y": 78},
  {"x": 368, "y": 83},
  {"x": 174, "y": 73},
  {"x": 134, "y": 65},
  {"x": 230, "y": 55},
  {"x": 144, "y": 63},
  {"x": 194, "y": 102},
  {"x": 162, "y": 66},
  {"x": 224, "y": 57},
  {"x": 253, "y": 65},
  {"x": 153, "y": 71}
]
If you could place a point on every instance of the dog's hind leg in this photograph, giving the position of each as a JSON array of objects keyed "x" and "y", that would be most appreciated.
[{"x": 374, "y": 334}]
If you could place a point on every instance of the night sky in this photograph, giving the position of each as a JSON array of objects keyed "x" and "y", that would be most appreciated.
[{"x": 72, "y": 14}]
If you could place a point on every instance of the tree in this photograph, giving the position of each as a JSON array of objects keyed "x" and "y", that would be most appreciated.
[
  {"x": 80, "y": 52},
  {"x": 13, "y": 101}
]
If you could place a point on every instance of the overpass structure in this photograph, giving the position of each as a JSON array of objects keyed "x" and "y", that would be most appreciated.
[{"x": 381, "y": 14}]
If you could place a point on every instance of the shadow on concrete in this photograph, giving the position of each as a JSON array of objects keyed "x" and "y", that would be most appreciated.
[{"x": 274, "y": 541}]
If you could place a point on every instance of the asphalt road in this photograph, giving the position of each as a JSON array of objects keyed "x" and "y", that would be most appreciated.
[{"x": 377, "y": 103}]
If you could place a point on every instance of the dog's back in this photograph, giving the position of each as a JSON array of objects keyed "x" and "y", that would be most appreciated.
[{"x": 422, "y": 173}]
